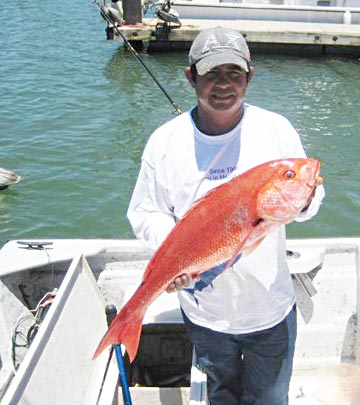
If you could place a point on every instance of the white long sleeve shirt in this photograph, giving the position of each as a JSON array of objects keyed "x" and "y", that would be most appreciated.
[{"x": 179, "y": 165}]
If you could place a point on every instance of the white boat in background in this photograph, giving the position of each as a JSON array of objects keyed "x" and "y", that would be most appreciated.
[
  {"x": 68, "y": 283},
  {"x": 310, "y": 11}
]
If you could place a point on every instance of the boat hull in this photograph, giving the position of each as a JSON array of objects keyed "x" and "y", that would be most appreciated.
[{"x": 265, "y": 12}]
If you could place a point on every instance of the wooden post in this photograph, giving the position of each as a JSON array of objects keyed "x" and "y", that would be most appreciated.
[{"x": 132, "y": 11}]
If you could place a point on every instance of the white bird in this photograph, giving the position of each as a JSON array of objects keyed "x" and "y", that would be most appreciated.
[{"x": 7, "y": 177}]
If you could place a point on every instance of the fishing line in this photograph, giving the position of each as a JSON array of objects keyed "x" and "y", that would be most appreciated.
[{"x": 136, "y": 55}]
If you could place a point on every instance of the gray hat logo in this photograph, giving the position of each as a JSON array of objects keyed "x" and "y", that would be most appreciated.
[
  {"x": 212, "y": 43},
  {"x": 217, "y": 46}
]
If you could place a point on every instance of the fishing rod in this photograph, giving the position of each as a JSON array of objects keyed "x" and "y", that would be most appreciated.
[{"x": 136, "y": 55}]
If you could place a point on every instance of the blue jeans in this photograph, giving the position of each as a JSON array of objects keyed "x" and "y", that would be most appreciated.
[{"x": 246, "y": 369}]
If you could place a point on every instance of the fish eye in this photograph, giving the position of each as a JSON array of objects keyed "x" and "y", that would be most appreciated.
[{"x": 289, "y": 174}]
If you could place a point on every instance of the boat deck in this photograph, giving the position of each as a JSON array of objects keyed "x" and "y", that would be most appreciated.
[
  {"x": 264, "y": 36},
  {"x": 327, "y": 357}
]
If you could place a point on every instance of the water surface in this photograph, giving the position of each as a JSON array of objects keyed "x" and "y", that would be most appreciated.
[{"x": 76, "y": 111}]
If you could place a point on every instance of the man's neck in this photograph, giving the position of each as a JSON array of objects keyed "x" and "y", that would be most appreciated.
[{"x": 216, "y": 124}]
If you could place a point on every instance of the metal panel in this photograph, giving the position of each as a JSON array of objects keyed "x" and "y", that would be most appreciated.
[{"x": 58, "y": 367}]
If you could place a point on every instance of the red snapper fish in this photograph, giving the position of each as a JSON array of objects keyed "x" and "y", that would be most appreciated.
[{"x": 230, "y": 219}]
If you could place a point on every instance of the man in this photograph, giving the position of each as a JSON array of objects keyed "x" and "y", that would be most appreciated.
[{"x": 243, "y": 321}]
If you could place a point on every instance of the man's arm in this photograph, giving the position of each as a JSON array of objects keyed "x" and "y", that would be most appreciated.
[{"x": 150, "y": 213}]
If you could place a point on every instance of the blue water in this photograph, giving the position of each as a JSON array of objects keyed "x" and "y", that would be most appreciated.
[{"x": 76, "y": 111}]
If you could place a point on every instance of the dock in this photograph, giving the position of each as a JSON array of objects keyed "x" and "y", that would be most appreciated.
[{"x": 262, "y": 36}]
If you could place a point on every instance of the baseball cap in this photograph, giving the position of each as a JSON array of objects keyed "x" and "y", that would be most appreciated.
[{"x": 216, "y": 46}]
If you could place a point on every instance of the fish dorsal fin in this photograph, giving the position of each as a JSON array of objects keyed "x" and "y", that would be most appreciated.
[{"x": 219, "y": 189}]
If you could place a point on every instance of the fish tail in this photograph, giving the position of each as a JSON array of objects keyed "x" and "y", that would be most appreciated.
[{"x": 126, "y": 331}]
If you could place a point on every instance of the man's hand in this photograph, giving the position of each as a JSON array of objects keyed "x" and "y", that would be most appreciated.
[{"x": 180, "y": 282}]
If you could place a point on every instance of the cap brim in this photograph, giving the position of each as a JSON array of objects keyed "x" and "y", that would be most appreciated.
[{"x": 204, "y": 65}]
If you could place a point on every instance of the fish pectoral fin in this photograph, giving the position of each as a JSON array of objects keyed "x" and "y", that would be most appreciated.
[
  {"x": 238, "y": 252},
  {"x": 234, "y": 258},
  {"x": 243, "y": 252},
  {"x": 250, "y": 249}
]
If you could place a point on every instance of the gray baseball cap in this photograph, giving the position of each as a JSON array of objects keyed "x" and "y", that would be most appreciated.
[{"x": 216, "y": 46}]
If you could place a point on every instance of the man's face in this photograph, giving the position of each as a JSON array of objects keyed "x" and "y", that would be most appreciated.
[{"x": 221, "y": 89}]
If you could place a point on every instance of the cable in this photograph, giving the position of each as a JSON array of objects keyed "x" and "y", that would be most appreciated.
[{"x": 35, "y": 317}]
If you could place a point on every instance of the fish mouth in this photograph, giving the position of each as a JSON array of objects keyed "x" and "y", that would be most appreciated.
[
  {"x": 317, "y": 182},
  {"x": 314, "y": 178}
]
